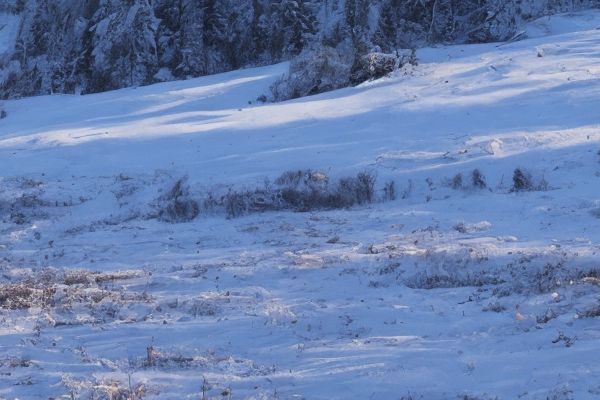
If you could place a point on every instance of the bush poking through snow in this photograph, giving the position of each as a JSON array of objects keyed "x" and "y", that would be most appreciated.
[
  {"x": 438, "y": 281},
  {"x": 302, "y": 190},
  {"x": 376, "y": 64},
  {"x": 20, "y": 296},
  {"x": 593, "y": 312},
  {"x": 550, "y": 277},
  {"x": 176, "y": 205},
  {"x": 548, "y": 316},
  {"x": 494, "y": 307},
  {"x": 115, "y": 390},
  {"x": 567, "y": 340},
  {"x": 389, "y": 191},
  {"x": 457, "y": 182},
  {"x": 478, "y": 180},
  {"x": 322, "y": 68},
  {"x": 358, "y": 189},
  {"x": 315, "y": 70},
  {"x": 522, "y": 181}
]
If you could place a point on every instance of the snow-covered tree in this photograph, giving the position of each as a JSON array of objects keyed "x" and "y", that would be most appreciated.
[
  {"x": 292, "y": 26},
  {"x": 95, "y": 45}
]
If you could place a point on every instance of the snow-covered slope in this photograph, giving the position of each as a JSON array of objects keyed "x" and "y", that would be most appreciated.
[{"x": 449, "y": 291}]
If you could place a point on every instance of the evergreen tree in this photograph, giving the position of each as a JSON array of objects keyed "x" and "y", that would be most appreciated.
[
  {"x": 387, "y": 28},
  {"x": 215, "y": 34},
  {"x": 96, "y": 45},
  {"x": 40, "y": 30},
  {"x": 191, "y": 40},
  {"x": 293, "y": 24},
  {"x": 442, "y": 21}
]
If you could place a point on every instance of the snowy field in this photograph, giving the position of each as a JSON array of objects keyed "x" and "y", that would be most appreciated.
[{"x": 462, "y": 287}]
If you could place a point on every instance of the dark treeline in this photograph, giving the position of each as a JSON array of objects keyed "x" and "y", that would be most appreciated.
[{"x": 85, "y": 46}]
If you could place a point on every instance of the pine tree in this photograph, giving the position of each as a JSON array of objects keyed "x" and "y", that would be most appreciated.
[
  {"x": 387, "y": 28},
  {"x": 144, "y": 56},
  {"x": 106, "y": 44},
  {"x": 214, "y": 35},
  {"x": 293, "y": 24},
  {"x": 40, "y": 30},
  {"x": 442, "y": 21},
  {"x": 191, "y": 45},
  {"x": 357, "y": 21},
  {"x": 124, "y": 45}
]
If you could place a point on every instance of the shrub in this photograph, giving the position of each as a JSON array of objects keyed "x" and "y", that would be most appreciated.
[
  {"x": 389, "y": 191},
  {"x": 176, "y": 205},
  {"x": 437, "y": 281},
  {"x": 116, "y": 390},
  {"x": 21, "y": 296},
  {"x": 457, "y": 182},
  {"x": 373, "y": 66},
  {"x": 323, "y": 68},
  {"x": 258, "y": 200},
  {"x": 296, "y": 190},
  {"x": 306, "y": 179},
  {"x": 494, "y": 307},
  {"x": 234, "y": 204},
  {"x": 302, "y": 190},
  {"x": 356, "y": 190},
  {"x": 376, "y": 64},
  {"x": 315, "y": 70},
  {"x": 522, "y": 181},
  {"x": 592, "y": 312},
  {"x": 478, "y": 180},
  {"x": 308, "y": 190},
  {"x": 549, "y": 277},
  {"x": 548, "y": 316}
]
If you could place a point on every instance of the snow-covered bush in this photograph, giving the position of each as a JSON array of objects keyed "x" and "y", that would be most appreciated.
[
  {"x": 478, "y": 180},
  {"x": 237, "y": 203},
  {"x": 424, "y": 280},
  {"x": 389, "y": 191},
  {"x": 591, "y": 312},
  {"x": 88, "y": 46},
  {"x": 376, "y": 64},
  {"x": 176, "y": 205},
  {"x": 302, "y": 191},
  {"x": 457, "y": 182},
  {"x": 322, "y": 69},
  {"x": 358, "y": 189},
  {"x": 523, "y": 181},
  {"x": 315, "y": 70}
]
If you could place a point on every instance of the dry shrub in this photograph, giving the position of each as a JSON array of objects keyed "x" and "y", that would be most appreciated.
[
  {"x": 176, "y": 205},
  {"x": 302, "y": 190}
]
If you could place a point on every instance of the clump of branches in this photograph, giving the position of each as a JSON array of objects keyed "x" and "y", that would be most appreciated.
[
  {"x": 523, "y": 181},
  {"x": 302, "y": 190},
  {"x": 176, "y": 205}
]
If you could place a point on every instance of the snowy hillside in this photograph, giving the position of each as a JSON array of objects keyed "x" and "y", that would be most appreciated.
[{"x": 477, "y": 278}]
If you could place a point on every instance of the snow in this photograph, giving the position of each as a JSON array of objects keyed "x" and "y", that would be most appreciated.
[
  {"x": 563, "y": 24},
  {"x": 442, "y": 293}
]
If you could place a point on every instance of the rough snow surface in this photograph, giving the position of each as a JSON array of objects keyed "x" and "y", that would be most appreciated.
[{"x": 452, "y": 290}]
